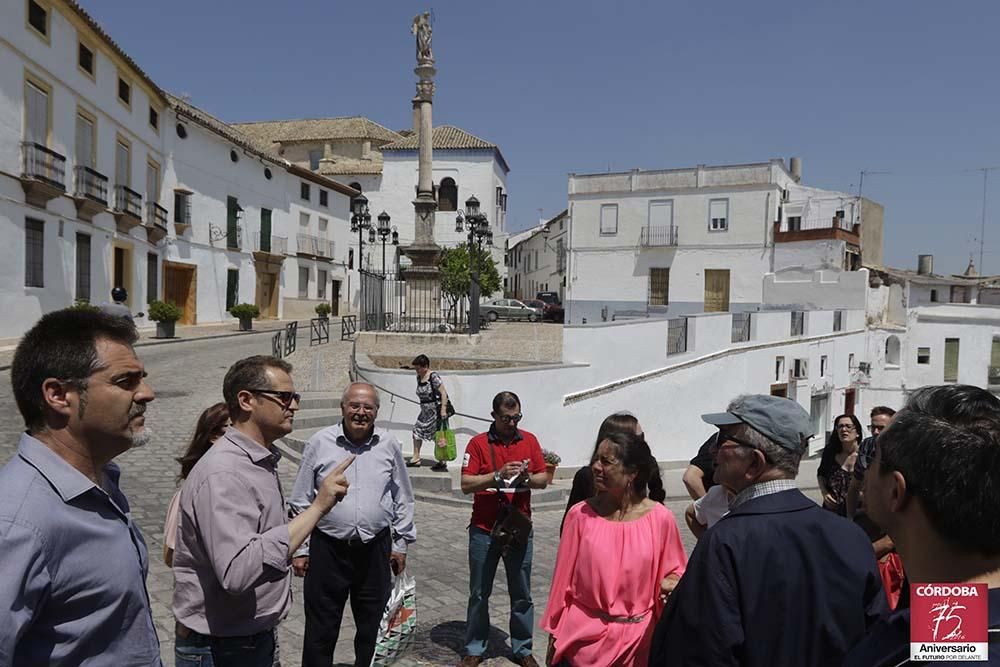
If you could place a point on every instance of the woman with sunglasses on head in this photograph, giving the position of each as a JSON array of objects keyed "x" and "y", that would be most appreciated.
[
  {"x": 583, "y": 480},
  {"x": 212, "y": 423},
  {"x": 837, "y": 463},
  {"x": 619, "y": 558}
]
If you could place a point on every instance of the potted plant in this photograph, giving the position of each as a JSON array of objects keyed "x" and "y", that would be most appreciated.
[
  {"x": 551, "y": 461},
  {"x": 245, "y": 313},
  {"x": 165, "y": 315},
  {"x": 83, "y": 304},
  {"x": 323, "y": 310}
]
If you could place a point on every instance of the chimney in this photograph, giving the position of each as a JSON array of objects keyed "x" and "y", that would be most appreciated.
[
  {"x": 925, "y": 264},
  {"x": 795, "y": 166}
]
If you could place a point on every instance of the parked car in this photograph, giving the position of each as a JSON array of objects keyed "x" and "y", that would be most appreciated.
[
  {"x": 549, "y": 297},
  {"x": 550, "y": 311},
  {"x": 509, "y": 309}
]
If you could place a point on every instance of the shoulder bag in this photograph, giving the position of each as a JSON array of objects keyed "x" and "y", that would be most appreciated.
[{"x": 512, "y": 526}]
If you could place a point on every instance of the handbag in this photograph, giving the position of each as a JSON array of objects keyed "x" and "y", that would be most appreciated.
[
  {"x": 444, "y": 442},
  {"x": 449, "y": 409},
  {"x": 512, "y": 527}
]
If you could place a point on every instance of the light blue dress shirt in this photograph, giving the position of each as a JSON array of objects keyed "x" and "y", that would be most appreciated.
[{"x": 72, "y": 567}]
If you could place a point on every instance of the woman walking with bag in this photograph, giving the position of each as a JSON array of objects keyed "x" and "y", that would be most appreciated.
[{"x": 434, "y": 403}]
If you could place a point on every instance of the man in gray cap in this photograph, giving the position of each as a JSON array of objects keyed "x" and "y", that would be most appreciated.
[{"x": 778, "y": 580}]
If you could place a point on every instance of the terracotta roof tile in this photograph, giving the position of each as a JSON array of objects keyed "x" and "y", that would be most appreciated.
[
  {"x": 317, "y": 129},
  {"x": 205, "y": 119},
  {"x": 444, "y": 137}
]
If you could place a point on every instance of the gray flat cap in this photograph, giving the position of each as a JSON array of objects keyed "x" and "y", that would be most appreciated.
[{"x": 779, "y": 419}]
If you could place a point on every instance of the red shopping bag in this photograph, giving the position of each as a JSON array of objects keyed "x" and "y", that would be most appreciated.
[{"x": 891, "y": 569}]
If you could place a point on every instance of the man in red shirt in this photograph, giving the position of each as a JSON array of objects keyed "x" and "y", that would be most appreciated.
[{"x": 500, "y": 466}]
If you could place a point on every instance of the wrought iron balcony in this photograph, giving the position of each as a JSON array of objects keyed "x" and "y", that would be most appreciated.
[
  {"x": 128, "y": 208},
  {"x": 814, "y": 229},
  {"x": 657, "y": 236},
  {"x": 307, "y": 244},
  {"x": 156, "y": 222},
  {"x": 90, "y": 191},
  {"x": 272, "y": 245},
  {"x": 43, "y": 173}
]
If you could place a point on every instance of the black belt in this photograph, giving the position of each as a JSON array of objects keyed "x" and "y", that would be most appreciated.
[{"x": 357, "y": 541}]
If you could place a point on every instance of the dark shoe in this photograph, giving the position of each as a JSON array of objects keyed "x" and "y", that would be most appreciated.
[
  {"x": 414, "y": 464},
  {"x": 440, "y": 466},
  {"x": 527, "y": 661},
  {"x": 471, "y": 661}
]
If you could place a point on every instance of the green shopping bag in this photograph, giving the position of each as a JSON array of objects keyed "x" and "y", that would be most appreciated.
[{"x": 444, "y": 442}]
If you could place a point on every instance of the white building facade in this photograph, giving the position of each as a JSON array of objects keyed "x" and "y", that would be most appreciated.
[{"x": 536, "y": 260}]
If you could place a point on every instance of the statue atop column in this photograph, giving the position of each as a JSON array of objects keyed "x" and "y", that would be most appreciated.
[{"x": 421, "y": 27}]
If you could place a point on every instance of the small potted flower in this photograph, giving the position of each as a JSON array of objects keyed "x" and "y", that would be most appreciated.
[
  {"x": 245, "y": 313},
  {"x": 165, "y": 314},
  {"x": 551, "y": 461},
  {"x": 323, "y": 310}
]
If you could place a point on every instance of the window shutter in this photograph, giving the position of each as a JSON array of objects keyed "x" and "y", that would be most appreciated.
[
  {"x": 37, "y": 112},
  {"x": 232, "y": 287},
  {"x": 995, "y": 353},
  {"x": 609, "y": 219},
  {"x": 951, "y": 359},
  {"x": 661, "y": 213},
  {"x": 84, "y": 142}
]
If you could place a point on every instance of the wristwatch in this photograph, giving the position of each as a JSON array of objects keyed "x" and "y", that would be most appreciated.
[{"x": 496, "y": 477}]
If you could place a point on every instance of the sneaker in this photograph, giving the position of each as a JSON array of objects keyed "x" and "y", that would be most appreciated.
[{"x": 471, "y": 661}]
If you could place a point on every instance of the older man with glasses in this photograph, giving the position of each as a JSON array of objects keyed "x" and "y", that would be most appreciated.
[
  {"x": 352, "y": 549},
  {"x": 778, "y": 580},
  {"x": 501, "y": 467},
  {"x": 234, "y": 544}
]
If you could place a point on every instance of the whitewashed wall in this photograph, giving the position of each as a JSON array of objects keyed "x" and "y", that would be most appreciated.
[{"x": 816, "y": 289}]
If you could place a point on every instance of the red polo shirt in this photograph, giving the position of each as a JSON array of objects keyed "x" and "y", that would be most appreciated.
[{"x": 477, "y": 461}]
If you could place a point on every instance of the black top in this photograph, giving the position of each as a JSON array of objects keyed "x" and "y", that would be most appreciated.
[
  {"x": 583, "y": 488},
  {"x": 706, "y": 461}
]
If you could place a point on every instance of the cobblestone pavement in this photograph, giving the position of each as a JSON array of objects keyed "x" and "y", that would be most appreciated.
[{"x": 187, "y": 378}]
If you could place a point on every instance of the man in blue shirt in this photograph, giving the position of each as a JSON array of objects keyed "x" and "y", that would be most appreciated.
[
  {"x": 73, "y": 570},
  {"x": 934, "y": 486}
]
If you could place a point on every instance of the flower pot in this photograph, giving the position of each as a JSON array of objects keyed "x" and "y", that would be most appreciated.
[
  {"x": 550, "y": 472},
  {"x": 165, "y": 329},
  {"x": 246, "y": 324}
]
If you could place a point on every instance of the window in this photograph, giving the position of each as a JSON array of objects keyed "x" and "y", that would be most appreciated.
[
  {"x": 304, "y": 191},
  {"x": 350, "y": 258},
  {"x": 232, "y": 223},
  {"x": 154, "y": 119},
  {"x": 850, "y": 362},
  {"x": 182, "y": 207},
  {"x": 303, "y": 219},
  {"x": 152, "y": 182},
  {"x": 661, "y": 214},
  {"x": 314, "y": 157},
  {"x": 800, "y": 369},
  {"x": 152, "y": 277},
  {"x": 38, "y": 18},
  {"x": 321, "y": 284},
  {"x": 322, "y": 224},
  {"x": 934, "y": 296},
  {"x": 86, "y": 141},
  {"x": 85, "y": 59},
  {"x": 959, "y": 294},
  {"x": 779, "y": 369},
  {"x": 659, "y": 286},
  {"x": 838, "y": 320},
  {"x": 124, "y": 92},
  {"x": 232, "y": 287},
  {"x": 923, "y": 355},
  {"x": 34, "y": 253},
  {"x": 324, "y": 198},
  {"x": 794, "y": 223},
  {"x": 82, "y": 267},
  {"x": 951, "y": 359},
  {"x": 448, "y": 195},
  {"x": 123, "y": 163},
  {"x": 36, "y": 112},
  {"x": 265, "y": 229},
  {"x": 303, "y": 282},
  {"x": 822, "y": 366},
  {"x": 718, "y": 215},
  {"x": 609, "y": 219},
  {"x": 892, "y": 351}
]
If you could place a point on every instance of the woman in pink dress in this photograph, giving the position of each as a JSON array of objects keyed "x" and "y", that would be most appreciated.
[{"x": 619, "y": 558}]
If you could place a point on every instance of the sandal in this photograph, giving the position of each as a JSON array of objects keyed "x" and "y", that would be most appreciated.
[{"x": 414, "y": 464}]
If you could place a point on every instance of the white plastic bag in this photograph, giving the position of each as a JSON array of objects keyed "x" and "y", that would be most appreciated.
[{"x": 398, "y": 621}]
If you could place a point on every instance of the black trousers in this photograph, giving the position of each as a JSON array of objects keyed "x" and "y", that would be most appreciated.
[{"x": 338, "y": 569}]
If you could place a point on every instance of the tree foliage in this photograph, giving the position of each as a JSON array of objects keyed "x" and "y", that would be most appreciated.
[{"x": 456, "y": 276}]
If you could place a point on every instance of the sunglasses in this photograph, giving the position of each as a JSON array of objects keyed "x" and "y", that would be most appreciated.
[
  {"x": 510, "y": 419},
  {"x": 720, "y": 443},
  {"x": 286, "y": 398}
]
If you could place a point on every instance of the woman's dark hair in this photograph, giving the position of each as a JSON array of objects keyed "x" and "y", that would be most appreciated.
[
  {"x": 619, "y": 421},
  {"x": 211, "y": 425},
  {"x": 636, "y": 457},
  {"x": 828, "y": 462},
  {"x": 421, "y": 361}
]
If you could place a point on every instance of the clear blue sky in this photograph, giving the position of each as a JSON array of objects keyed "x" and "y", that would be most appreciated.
[{"x": 582, "y": 86}]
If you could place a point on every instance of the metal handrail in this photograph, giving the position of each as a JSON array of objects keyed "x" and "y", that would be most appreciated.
[
  {"x": 128, "y": 201},
  {"x": 91, "y": 184},
  {"x": 658, "y": 236},
  {"x": 44, "y": 164}
]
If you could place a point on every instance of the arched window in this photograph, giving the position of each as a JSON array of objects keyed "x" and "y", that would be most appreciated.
[
  {"x": 892, "y": 351},
  {"x": 447, "y": 195}
]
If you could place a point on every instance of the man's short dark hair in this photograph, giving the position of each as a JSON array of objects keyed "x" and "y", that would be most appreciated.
[
  {"x": 249, "y": 373},
  {"x": 882, "y": 410},
  {"x": 946, "y": 444},
  {"x": 506, "y": 399},
  {"x": 63, "y": 345}
]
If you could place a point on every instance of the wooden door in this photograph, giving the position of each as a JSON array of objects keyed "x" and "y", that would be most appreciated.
[
  {"x": 179, "y": 288},
  {"x": 849, "y": 402},
  {"x": 716, "y": 290},
  {"x": 335, "y": 298}
]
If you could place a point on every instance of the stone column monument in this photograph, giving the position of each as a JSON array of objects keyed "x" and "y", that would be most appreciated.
[{"x": 423, "y": 285}]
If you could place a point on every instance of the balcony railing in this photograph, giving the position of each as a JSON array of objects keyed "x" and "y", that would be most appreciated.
[
  {"x": 307, "y": 244},
  {"x": 91, "y": 184},
  {"x": 275, "y": 245},
  {"x": 43, "y": 164},
  {"x": 156, "y": 214},
  {"x": 795, "y": 229},
  {"x": 741, "y": 327},
  {"x": 658, "y": 236},
  {"x": 677, "y": 335},
  {"x": 128, "y": 201}
]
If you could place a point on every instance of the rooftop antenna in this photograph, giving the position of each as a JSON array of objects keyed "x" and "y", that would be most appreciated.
[{"x": 982, "y": 229}]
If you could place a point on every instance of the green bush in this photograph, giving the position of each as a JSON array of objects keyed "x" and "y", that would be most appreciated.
[
  {"x": 323, "y": 310},
  {"x": 244, "y": 310},
  {"x": 83, "y": 304},
  {"x": 551, "y": 457},
  {"x": 164, "y": 311}
]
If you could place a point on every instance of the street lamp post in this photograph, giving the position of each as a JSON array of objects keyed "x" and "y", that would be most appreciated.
[
  {"x": 384, "y": 232},
  {"x": 479, "y": 231},
  {"x": 361, "y": 220}
]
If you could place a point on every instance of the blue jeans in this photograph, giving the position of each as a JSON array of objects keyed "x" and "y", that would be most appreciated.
[
  {"x": 484, "y": 556},
  {"x": 198, "y": 650}
]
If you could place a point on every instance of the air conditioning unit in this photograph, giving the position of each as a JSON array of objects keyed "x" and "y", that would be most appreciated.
[{"x": 800, "y": 369}]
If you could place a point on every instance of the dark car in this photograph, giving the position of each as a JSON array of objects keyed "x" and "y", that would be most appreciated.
[
  {"x": 550, "y": 311},
  {"x": 549, "y": 297}
]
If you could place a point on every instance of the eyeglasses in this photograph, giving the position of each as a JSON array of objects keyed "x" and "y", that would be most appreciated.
[
  {"x": 510, "y": 419},
  {"x": 847, "y": 427},
  {"x": 286, "y": 398},
  {"x": 362, "y": 407},
  {"x": 720, "y": 443}
]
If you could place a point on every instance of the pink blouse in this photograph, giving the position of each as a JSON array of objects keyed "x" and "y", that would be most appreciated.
[{"x": 610, "y": 568}]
